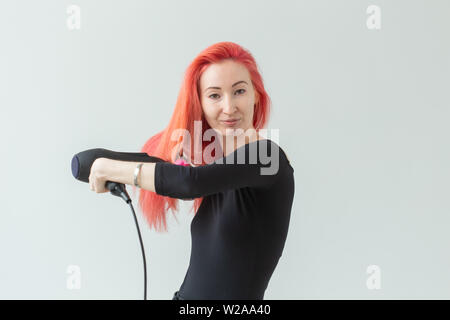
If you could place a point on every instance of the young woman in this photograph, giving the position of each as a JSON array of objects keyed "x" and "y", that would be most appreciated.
[{"x": 242, "y": 201}]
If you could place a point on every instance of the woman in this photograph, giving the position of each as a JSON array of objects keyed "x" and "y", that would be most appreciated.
[{"x": 242, "y": 206}]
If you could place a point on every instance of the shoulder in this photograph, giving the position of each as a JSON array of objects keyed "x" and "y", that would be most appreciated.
[
  {"x": 274, "y": 146},
  {"x": 272, "y": 154}
]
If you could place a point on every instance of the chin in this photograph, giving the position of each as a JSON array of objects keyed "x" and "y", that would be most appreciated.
[{"x": 231, "y": 131}]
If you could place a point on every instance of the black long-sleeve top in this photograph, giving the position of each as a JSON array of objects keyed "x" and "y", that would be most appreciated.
[{"x": 239, "y": 231}]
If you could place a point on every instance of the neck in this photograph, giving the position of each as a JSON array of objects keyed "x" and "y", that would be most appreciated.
[{"x": 231, "y": 143}]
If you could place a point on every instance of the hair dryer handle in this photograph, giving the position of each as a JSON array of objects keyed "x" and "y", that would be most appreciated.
[{"x": 119, "y": 190}]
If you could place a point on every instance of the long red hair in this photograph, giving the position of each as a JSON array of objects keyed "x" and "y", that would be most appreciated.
[{"x": 187, "y": 110}]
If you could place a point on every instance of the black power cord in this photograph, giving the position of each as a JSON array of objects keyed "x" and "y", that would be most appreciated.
[
  {"x": 118, "y": 189},
  {"x": 143, "y": 252}
]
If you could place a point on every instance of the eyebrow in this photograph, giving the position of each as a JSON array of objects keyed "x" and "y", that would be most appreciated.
[{"x": 231, "y": 86}]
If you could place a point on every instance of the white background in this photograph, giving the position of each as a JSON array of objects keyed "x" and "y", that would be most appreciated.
[{"x": 363, "y": 116}]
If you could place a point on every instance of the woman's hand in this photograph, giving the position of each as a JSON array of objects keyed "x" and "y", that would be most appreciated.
[{"x": 97, "y": 177}]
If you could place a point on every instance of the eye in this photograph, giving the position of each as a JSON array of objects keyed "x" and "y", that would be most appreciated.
[{"x": 215, "y": 94}]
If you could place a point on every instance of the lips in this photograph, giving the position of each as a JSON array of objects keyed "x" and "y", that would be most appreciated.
[{"x": 230, "y": 122}]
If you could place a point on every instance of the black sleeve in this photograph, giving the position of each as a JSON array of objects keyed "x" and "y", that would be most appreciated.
[{"x": 232, "y": 172}]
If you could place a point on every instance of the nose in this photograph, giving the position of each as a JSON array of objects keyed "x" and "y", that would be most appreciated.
[{"x": 229, "y": 106}]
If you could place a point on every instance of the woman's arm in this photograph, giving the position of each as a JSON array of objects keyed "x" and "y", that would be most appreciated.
[
  {"x": 239, "y": 170},
  {"x": 123, "y": 172},
  {"x": 177, "y": 181}
]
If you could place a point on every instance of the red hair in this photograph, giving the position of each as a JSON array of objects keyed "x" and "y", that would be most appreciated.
[{"x": 188, "y": 109}]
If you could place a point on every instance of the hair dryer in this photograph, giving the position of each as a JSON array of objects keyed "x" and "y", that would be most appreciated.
[{"x": 82, "y": 163}]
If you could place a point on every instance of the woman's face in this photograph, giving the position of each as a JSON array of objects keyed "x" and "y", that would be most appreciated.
[{"x": 226, "y": 93}]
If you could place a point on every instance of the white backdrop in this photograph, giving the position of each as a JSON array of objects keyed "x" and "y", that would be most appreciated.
[{"x": 363, "y": 115}]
